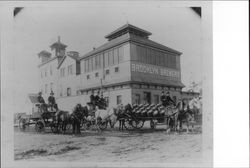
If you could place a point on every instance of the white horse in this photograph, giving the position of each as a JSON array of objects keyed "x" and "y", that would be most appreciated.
[
  {"x": 195, "y": 105},
  {"x": 107, "y": 116}
]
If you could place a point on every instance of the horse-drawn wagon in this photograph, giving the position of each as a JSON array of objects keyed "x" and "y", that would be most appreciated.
[
  {"x": 134, "y": 117},
  {"x": 41, "y": 116}
]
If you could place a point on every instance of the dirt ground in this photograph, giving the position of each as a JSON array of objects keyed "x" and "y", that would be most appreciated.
[{"x": 145, "y": 145}]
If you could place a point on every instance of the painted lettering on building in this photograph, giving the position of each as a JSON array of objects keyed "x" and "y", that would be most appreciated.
[{"x": 154, "y": 70}]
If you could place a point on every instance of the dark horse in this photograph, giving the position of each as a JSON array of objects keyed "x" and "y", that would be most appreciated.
[
  {"x": 184, "y": 115},
  {"x": 78, "y": 114},
  {"x": 122, "y": 113},
  {"x": 62, "y": 119}
]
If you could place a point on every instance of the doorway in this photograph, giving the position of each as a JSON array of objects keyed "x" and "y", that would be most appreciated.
[{"x": 147, "y": 97}]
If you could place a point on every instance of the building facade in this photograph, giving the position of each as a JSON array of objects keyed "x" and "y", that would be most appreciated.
[{"x": 129, "y": 68}]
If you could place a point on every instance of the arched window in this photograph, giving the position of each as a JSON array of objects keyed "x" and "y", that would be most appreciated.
[{"x": 68, "y": 91}]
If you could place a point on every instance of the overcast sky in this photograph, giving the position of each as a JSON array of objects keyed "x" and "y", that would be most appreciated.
[{"x": 84, "y": 27}]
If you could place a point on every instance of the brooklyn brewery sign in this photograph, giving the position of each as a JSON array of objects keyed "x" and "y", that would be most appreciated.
[{"x": 154, "y": 70}]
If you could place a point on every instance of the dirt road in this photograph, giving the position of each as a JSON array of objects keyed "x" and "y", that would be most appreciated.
[{"x": 109, "y": 146}]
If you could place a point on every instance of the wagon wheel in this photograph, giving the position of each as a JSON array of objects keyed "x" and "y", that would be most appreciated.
[
  {"x": 102, "y": 125},
  {"x": 128, "y": 124},
  {"x": 137, "y": 124},
  {"x": 39, "y": 127},
  {"x": 152, "y": 124},
  {"x": 22, "y": 124}
]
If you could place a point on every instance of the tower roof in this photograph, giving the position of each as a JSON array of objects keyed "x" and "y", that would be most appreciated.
[
  {"x": 58, "y": 45},
  {"x": 44, "y": 53},
  {"x": 128, "y": 28}
]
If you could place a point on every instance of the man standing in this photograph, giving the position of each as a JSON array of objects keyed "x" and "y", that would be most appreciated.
[
  {"x": 97, "y": 99},
  {"x": 102, "y": 102},
  {"x": 169, "y": 100},
  {"x": 42, "y": 102},
  {"x": 52, "y": 101}
]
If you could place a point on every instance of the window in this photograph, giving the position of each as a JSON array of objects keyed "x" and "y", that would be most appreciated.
[
  {"x": 94, "y": 63},
  {"x": 90, "y": 64},
  {"x": 101, "y": 61},
  {"x": 157, "y": 59},
  {"x": 137, "y": 99},
  {"x": 46, "y": 88},
  {"x": 87, "y": 65},
  {"x": 51, "y": 70},
  {"x": 107, "y": 101},
  {"x": 120, "y": 54},
  {"x": 116, "y": 69},
  {"x": 156, "y": 99},
  {"x": 116, "y": 56},
  {"x": 144, "y": 54},
  {"x": 45, "y": 72},
  {"x": 161, "y": 56},
  {"x": 118, "y": 99},
  {"x": 61, "y": 90},
  {"x": 62, "y": 72},
  {"x": 111, "y": 58},
  {"x": 96, "y": 74},
  {"x": 88, "y": 76},
  {"x": 107, "y": 71},
  {"x": 97, "y": 61},
  {"x": 70, "y": 69},
  {"x": 148, "y": 56},
  {"x": 68, "y": 91},
  {"x": 106, "y": 59},
  {"x": 51, "y": 86},
  {"x": 147, "y": 97},
  {"x": 152, "y": 60}
]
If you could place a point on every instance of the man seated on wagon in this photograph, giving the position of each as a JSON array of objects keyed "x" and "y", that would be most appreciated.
[
  {"x": 52, "y": 101},
  {"x": 97, "y": 98},
  {"x": 40, "y": 100},
  {"x": 102, "y": 103},
  {"x": 92, "y": 97},
  {"x": 163, "y": 99},
  {"x": 169, "y": 100}
]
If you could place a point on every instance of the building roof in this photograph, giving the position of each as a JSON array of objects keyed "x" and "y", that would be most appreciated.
[
  {"x": 44, "y": 53},
  {"x": 76, "y": 58},
  {"x": 129, "y": 37},
  {"x": 51, "y": 59},
  {"x": 157, "y": 81},
  {"x": 128, "y": 28},
  {"x": 58, "y": 45}
]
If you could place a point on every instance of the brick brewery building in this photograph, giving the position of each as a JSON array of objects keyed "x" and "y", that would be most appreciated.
[{"x": 129, "y": 68}]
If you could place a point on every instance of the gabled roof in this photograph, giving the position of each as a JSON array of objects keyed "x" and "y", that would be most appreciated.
[
  {"x": 51, "y": 59},
  {"x": 126, "y": 38},
  {"x": 76, "y": 58}
]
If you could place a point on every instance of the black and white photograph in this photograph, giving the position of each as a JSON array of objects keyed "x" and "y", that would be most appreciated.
[{"x": 109, "y": 83}]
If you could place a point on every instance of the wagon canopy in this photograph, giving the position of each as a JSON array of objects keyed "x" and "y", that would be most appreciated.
[{"x": 33, "y": 98}]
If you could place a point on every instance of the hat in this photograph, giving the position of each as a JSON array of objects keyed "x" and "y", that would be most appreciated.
[
  {"x": 162, "y": 91},
  {"x": 168, "y": 93},
  {"x": 51, "y": 93}
]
